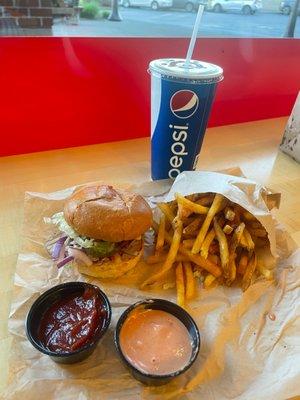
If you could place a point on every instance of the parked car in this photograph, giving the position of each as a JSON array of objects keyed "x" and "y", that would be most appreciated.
[
  {"x": 245, "y": 6},
  {"x": 286, "y": 7},
  {"x": 154, "y": 4},
  {"x": 188, "y": 5}
]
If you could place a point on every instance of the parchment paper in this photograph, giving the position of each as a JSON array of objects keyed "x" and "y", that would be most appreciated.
[{"x": 249, "y": 341}]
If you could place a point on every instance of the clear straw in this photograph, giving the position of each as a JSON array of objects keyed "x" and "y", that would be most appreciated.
[{"x": 194, "y": 36}]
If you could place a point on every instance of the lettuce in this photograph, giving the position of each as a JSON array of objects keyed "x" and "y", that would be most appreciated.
[
  {"x": 58, "y": 220},
  {"x": 96, "y": 249}
]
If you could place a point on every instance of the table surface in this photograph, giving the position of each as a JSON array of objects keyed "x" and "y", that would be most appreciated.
[{"x": 251, "y": 146}]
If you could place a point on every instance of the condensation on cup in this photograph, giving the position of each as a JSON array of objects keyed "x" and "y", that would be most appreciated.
[{"x": 181, "y": 100}]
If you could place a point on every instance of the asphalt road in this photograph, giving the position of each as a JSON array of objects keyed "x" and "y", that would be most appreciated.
[{"x": 148, "y": 23}]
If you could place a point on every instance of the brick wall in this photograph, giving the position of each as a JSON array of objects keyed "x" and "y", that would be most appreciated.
[{"x": 31, "y": 14}]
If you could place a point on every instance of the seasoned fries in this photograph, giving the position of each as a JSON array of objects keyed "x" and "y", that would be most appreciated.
[
  {"x": 208, "y": 238},
  {"x": 161, "y": 234},
  {"x": 223, "y": 244},
  {"x": 246, "y": 281},
  {"x": 207, "y": 242},
  {"x": 197, "y": 259},
  {"x": 194, "y": 207},
  {"x": 171, "y": 257},
  {"x": 209, "y": 279},
  {"x": 193, "y": 227},
  {"x": 216, "y": 205},
  {"x": 227, "y": 229},
  {"x": 166, "y": 209},
  {"x": 180, "y": 285},
  {"x": 190, "y": 280},
  {"x": 248, "y": 239}
]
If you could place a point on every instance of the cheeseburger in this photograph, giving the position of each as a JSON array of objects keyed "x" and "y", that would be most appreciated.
[{"x": 102, "y": 230}]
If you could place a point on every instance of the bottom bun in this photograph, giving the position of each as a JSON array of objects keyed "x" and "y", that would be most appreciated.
[{"x": 110, "y": 268}]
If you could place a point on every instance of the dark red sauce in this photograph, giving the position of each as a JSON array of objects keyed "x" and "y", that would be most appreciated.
[{"x": 70, "y": 323}]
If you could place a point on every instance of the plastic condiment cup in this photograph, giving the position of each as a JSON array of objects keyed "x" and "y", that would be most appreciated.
[
  {"x": 45, "y": 301},
  {"x": 178, "y": 312}
]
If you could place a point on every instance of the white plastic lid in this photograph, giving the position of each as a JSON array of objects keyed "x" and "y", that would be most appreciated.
[{"x": 175, "y": 67}]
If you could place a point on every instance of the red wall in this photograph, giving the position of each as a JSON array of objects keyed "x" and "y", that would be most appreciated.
[{"x": 62, "y": 92}]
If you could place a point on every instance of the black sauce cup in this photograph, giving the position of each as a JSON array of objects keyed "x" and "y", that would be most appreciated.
[
  {"x": 45, "y": 301},
  {"x": 178, "y": 312}
]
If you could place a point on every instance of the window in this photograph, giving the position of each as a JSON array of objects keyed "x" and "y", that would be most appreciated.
[{"x": 148, "y": 18}]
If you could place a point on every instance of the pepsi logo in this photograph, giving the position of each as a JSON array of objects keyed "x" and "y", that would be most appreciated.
[{"x": 184, "y": 103}]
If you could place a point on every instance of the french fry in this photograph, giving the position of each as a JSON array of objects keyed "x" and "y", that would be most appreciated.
[
  {"x": 209, "y": 279},
  {"x": 203, "y": 263},
  {"x": 267, "y": 273},
  {"x": 232, "y": 271},
  {"x": 242, "y": 264},
  {"x": 248, "y": 216},
  {"x": 227, "y": 229},
  {"x": 193, "y": 227},
  {"x": 188, "y": 243},
  {"x": 173, "y": 206},
  {"x": 237, "y": 214},
  {"x": 207, "y": 242},
  {"x": 182, "y": 212},
  {"x": 246, "y": 281},
  {"x": 206, "y": 200},
  {"x": 161, "y": 233},
  {"x": 229, "y": 213},
  {"x": 224, "y": 253},
  {"x": 218, "y": 236},
  {"x": 190, "y": 205},
  {"x": 190, "y": 286},
  {"x": 217, "y": 204},
  {"x": 166, "y": 209},
  {"x": 197, "y": 259},
  {"x": 244, "y": 242},
  {"x": 248, "y": 238},
  {"x": 171, "y": 257},
  {"x": 235, "y": 241},
  {"x": 214, "y": 258},
  {"x": 180, "y": 285}
]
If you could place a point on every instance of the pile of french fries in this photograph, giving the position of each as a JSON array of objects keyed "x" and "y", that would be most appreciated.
[{"x": 207, "y": 236}]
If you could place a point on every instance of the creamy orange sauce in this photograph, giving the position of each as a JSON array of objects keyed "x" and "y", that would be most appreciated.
[{"x": 155, "y": 342}]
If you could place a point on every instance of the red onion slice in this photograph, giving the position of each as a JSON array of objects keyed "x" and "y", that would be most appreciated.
[
  {"x": 57, "y": 247},
  {"x": 64, "y": 261}
]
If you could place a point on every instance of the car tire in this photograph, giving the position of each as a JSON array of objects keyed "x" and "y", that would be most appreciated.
[
  {"x": 217, "y": 8},
  {"x": 189, "y": 7},
  {"x": 126, "y": 3},
  {"x": 154, "y": 5},
  {"x": 246, "y": 10},
  {"x": 286, "y": 10}
]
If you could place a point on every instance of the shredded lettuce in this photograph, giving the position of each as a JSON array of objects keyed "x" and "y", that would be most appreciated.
[
  {"x": 58, "y": 220},
  {"x": 94, "y": 248}
]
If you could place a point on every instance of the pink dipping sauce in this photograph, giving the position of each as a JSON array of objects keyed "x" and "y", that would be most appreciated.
[{"x": 155, "y": 342}]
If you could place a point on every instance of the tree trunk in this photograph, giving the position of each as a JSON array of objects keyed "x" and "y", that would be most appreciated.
[
  {"x": 114, "y": 14},
  {"x": 290, "y": 30}
]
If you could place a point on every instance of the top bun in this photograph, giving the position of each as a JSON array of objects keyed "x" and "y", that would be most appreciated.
[{"x": 104, "y": 213}]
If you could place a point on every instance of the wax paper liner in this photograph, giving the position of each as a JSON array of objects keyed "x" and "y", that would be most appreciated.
[{"x": 249, "y": 341}]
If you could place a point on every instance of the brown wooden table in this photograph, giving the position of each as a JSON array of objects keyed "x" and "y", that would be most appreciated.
[{"x": 251, "y": 146}]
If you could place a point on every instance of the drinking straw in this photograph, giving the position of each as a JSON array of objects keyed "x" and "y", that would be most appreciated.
[{"x": 194, "y": 36}]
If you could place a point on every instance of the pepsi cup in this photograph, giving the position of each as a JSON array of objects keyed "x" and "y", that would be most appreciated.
[{"x": 181, "y": 100}]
